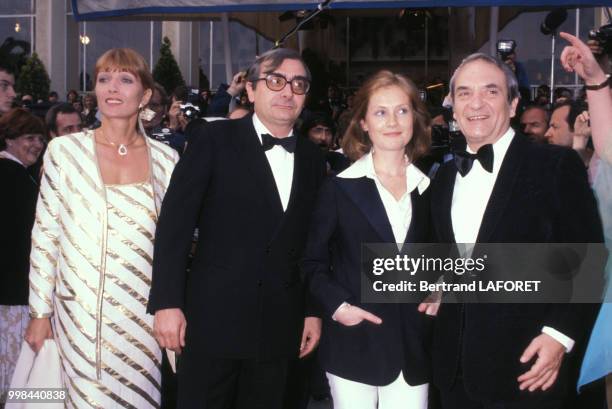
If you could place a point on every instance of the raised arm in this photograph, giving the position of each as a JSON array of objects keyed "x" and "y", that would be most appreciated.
[{"x": 578, "y": 58}]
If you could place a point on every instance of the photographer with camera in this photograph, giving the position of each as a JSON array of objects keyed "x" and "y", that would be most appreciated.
[
  {"x": 507, "y": 53},
  {"x": 221, "y": 103},
  {"x": 600, "y": 44},
  {"x": 184, "y": 108},
  {"x": 154, "y": 120}
]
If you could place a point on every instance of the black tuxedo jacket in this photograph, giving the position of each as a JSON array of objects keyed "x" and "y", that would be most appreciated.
[
  {"x": 541, "y": 195},
  {"x": 350, "y": 212},
  {"x": 243, "y": 296},
  {"x": 17, "y": 209}
]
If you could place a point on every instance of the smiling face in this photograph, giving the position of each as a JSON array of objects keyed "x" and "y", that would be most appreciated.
[
  {"x": 278, "y": 109},
  {"x": 27, "y": 148},
  {"x": 120, "y": 94},
  {"x": 389, "y": 119},
  {"x": 480, "y": 103}
]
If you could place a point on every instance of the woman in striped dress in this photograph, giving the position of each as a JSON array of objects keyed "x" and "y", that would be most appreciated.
[{"x": 92, "y": 246}]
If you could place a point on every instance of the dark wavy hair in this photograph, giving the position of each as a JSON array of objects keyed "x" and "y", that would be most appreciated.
[{"x": 18, "y": 122}]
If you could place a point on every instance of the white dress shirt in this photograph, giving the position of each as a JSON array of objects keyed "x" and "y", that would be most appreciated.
[
  {"x": 470, "y": 198},
  {"x": 399, "y": 212},
  {"x": 281, "y": 163}
]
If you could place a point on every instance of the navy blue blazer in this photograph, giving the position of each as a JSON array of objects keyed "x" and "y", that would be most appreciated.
[{"x": 350, "y": 212}]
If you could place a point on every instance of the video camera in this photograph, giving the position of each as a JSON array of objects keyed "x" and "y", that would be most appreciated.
[{"x": 603, "y": 35}]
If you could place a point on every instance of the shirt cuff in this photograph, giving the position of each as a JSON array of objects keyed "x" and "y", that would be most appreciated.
[
  {"x": 564, "y": 340},
  {"x": 343, "y": 305}
]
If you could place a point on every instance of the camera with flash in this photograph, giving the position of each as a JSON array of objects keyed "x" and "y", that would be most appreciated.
[{"x": 505, "y": 48}]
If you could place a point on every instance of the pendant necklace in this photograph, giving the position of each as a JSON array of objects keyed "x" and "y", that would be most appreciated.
[{"x": 122, "y": 147}]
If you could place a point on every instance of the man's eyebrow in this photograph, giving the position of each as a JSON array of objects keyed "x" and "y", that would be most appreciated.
[
  {"x": 301, "y": 77},
  {"x": 492, "y": 86},
  {"x": 462, "y": 88}
]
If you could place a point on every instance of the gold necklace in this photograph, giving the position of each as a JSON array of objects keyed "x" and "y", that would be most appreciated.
[{"x": 122, "y": 147}]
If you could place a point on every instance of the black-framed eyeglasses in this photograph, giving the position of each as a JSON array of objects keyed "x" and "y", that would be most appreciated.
[{"x": 277, "y": 82}]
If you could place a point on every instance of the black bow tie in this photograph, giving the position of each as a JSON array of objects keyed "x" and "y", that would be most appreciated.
[
  {"x": 268, "y": 142},
  {"x": 464, "y": 160}
]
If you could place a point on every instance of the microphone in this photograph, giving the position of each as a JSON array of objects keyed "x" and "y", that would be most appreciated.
[{"x": 553, "y": 20}]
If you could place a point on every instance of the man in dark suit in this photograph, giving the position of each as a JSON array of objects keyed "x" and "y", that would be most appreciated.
[
  {"x": 507, "y": 189},
  {"x": 249, "y": 187}
]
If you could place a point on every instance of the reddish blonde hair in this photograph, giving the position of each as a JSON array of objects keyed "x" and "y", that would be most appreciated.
[
  {"x": 125, "y": 59},
  {"x": 356, "y": 142}
]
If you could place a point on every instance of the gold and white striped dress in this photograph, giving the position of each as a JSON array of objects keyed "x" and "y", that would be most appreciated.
[
  {"x": 130, "y": 373},
  {"x": 92, "y": 249}
]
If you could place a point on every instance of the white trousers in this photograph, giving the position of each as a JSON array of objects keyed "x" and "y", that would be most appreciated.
[{"x": 397, "y": 395}]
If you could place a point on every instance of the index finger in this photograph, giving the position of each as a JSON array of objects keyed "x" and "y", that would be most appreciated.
[
  {"x": 371, "y": 317},
  {"x": 575, "y": 41}
]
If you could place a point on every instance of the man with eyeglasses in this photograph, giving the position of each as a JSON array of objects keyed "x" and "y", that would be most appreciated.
[
  {"x": 7, "y": 88},
  {"x": 249, "y": 185}
]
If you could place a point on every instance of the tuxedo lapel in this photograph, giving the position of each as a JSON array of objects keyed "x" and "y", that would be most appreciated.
[
  {"x": 364, "y": 195},
  {"x": 252, "y": 155},
  {"x": 420, "y": 219},
  {"x": 441, "y": 202},
  {"x": 502, "y": 190}
]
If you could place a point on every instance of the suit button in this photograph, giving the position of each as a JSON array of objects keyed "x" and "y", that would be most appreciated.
[
  {"x": 267, "y": 249},
  {"x": 291, "y": 252},
  {"x": 259, "y": 283},
  {"x": 287, "y": 284}
]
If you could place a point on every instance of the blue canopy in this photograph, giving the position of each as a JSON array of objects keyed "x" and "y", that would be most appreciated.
[{"x": 96, "y": 9}]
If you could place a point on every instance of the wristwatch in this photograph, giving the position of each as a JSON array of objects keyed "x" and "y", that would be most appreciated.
[{"x": 596, "y": 87}]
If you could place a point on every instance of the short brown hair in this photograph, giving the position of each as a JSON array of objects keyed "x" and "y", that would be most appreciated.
[
  {"x": 356, "y": 142},
  {"x": 125, "y": 59},
  {"x": 18, "y": 122}
]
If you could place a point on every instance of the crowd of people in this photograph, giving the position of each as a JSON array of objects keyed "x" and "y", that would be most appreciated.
[{"x": 220, "y": 237}]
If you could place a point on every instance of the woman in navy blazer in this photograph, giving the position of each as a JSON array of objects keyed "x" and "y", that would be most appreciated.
[{"x": 375, "y": 355}]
